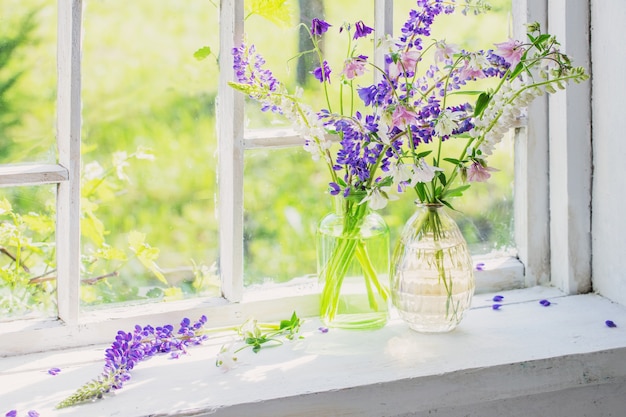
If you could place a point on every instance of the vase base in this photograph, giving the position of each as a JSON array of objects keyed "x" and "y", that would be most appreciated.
[
  {"x": 363, "y": 321},
  {"x": 426, "y": 325}
]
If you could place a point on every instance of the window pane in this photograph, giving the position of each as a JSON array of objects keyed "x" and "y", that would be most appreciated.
[
  {"x": 149, "y": 150},
  {"x": 27, "y": 81},
  {"x": 27, "y": 252},
  {"x": 485, "y": 211},
  {"x": 284, "y": 199}
]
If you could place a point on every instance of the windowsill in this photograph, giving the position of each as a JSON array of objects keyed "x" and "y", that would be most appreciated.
[{"x": 521, "y": 350}]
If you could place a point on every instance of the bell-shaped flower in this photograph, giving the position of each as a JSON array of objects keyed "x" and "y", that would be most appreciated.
[
  {"x": 447, "y": 122},
  {"x": 354, "y": 67},
  {"x": 378, "y": 197},
  {"x": 422, "y": 172},
  {"x": 511, "y": 51},
  {"x": 479, "y": 172}
]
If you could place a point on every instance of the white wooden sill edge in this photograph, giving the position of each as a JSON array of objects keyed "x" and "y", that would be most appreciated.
[
  {"x": 521, "y": 350},
  {"x": 268, "y": 302}
]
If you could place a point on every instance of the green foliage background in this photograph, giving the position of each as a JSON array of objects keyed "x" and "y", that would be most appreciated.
[{"x": 143, "y": 88}]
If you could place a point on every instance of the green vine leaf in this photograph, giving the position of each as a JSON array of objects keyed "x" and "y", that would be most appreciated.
[
  {"x": 276, "y": 11},
  {"x": 146, "y": 254}
]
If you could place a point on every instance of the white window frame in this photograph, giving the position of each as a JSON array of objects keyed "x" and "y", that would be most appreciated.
[{"x": 539, "y": 237}]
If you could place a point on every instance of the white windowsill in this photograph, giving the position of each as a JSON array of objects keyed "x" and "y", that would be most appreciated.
[{"x": 522, "y": 350}]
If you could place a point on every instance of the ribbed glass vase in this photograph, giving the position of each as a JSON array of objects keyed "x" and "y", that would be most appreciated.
[
  {"x": 353, "y": 267},
  {"x": 432, "y": 276}
]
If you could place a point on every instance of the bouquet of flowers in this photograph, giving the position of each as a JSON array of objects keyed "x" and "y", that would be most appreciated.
[{"x": 380, "y": 138}]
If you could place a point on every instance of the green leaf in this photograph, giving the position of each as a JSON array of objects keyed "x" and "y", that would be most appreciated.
[
  {"x": 516, "y": 72},
  {"x": 481, "y": 103},
  {"x": 202, "y": 53},
  {"x": 456, "y": 192},
  {"x": 92, "y": 228},
  {"x": 452, "y": 161},
  {"x": 423, "y": 154},
  {"x": 145, "y": 253},
  {"x": 276, "y": 11}
]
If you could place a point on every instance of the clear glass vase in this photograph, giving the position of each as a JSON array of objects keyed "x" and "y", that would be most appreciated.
[
  {"x": 432, "y": 275},
  {"x": 353, "y": 267}
]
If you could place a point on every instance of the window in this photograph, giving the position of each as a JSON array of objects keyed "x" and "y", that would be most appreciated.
[{"x": 239, "y": 150}]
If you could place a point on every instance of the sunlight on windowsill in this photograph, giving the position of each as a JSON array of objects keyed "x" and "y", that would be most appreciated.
[{"x": 538, "y": 348}]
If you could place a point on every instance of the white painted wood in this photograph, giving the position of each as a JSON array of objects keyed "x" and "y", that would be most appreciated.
[
  {"x": 570, "y": 155},
  {"x": 519, "y": 356},
  {"x": 265, "y": 302},
  {"x": 31, "y": 174},
  {"x": 230, "y": 116},
  {"x": 383, "y": 25},
  {"x": 532, "y": 221},
  {"x": 68, "y": 142},
  {"x": 609, "y": 148}
]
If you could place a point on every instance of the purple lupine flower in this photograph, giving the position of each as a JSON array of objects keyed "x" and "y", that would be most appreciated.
[
  {"x": 334, "y": 188},
  {"x": 319, "y": 27},
  {"x": 322, "y": 73},
  {"x": 249, "y": 70},
  {"x": 54, "y": 371},
  {"x": 361, "y": 30}
]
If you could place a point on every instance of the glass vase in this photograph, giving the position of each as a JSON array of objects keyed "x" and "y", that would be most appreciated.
[
  {"x": 432, "y": 274},
  {"x": 353, "y": 267}
]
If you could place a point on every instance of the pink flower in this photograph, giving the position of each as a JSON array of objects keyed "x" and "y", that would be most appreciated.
[
  {"x": 444, "y": 51},
  {"x": 402, "y": 116},
  {"x": 511, "y": 51},
  {"x": 406, "y": 63},
  {"x": 354, "y": 67},
  {"x": 474, "y": 65},
  {"x": 477, "y": 172}
]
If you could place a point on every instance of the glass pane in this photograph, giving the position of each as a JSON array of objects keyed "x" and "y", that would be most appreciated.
[
  {"x": 282, "y": 208},
  {"x": 485, "y": 212},
  {"x": 149, "y": 145},
  {"x": 27, "y": 81},
  {"x": 27, "y": 252},
  {"x": 293, "y": 62}
]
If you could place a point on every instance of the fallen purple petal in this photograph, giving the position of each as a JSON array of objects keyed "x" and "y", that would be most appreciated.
[
  {"x": 610, "y": 323},
  {"x": 496, "y": 306},
  {"x": 323, "y": 329},
  {"x": 11, "y": 413},
  {"x": 480, "y": 266},
  {"x": 33, "y": 413},
  {"x": 498, "y": 298},
  {"x": 545, "y": 303},
  {"x": 54, "y": 371}
]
